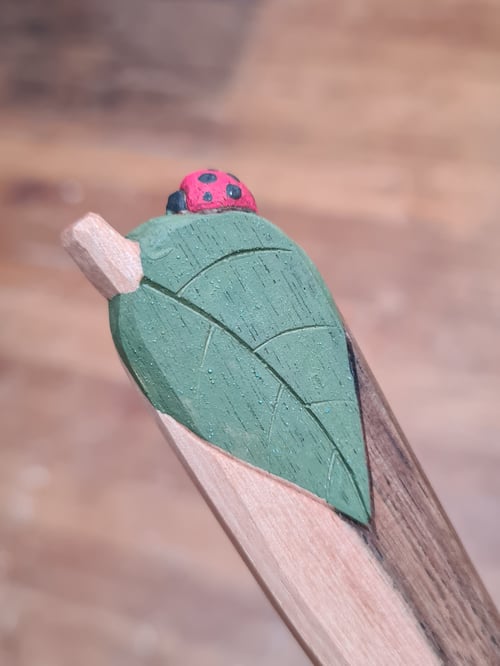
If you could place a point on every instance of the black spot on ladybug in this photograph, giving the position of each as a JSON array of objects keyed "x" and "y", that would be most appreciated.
[
  {"x": 207, "y": 196},
  {"x": 233, "y": 191},
  {"x": 176, "y": 202},
  {"x": 231, "y": 175},
  {"x": 207, "y": 178}
]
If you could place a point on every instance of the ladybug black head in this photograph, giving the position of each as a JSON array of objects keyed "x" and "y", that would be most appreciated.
[{"x": 177, "y": 202}]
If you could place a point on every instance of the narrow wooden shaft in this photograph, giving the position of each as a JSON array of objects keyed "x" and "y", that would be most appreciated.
[
  {"x": 415, "y": 543},
  {"x": 109, "y": 261},
  {"x": 398, "y": 591},
  {"x": 314, "y": 565}
]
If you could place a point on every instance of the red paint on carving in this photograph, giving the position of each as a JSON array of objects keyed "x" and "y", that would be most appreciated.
[{"x": 211, "y": 189}]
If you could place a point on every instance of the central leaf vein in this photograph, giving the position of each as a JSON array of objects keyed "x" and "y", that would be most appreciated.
[{"x": 214, "y": 321}]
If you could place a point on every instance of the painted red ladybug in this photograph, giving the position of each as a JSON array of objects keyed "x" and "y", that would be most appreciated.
[{"x": 211, "y": 190}]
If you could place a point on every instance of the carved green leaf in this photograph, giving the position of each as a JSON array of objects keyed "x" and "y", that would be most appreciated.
[{"x": 234, "y": 334}]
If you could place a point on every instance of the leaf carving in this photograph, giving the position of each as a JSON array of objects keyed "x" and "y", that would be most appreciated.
[{"x": 244, "y": 346}]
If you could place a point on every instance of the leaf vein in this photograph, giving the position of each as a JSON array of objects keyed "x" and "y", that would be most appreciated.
[
  {"x": 199, "y": 311},
  {"x": 292, "y": 330},
  {"x": 273, "y": 417},
  {"x": 328, "y": 481},
  {"x": 323, "y": 402},
  {"x": 204, "y": 356},
  {"x": 236, "y": 253}
]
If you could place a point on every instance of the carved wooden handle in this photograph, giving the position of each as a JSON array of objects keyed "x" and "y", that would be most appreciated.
[{"x": 400, "y": 590}]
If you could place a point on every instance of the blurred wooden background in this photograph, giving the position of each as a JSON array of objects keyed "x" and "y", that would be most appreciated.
[{"x": 370, "y": 132}]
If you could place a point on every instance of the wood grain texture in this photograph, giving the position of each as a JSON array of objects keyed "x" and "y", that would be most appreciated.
[
  {"x": 97, "y": 562},
  {"x": 117, "y": 271},
  {"x": 338, "y": 600},
  {"x": 233, "y": 333},
  {"x": 416, "y": 544},
  {"x": 350, "y": 593}
]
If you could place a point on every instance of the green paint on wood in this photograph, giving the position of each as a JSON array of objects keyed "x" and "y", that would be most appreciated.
[{"x": 234, "y": 334}]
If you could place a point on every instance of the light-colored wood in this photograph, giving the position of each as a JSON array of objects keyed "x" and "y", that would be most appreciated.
[
  {"x": 330, "y": 588},
  {"x": 108, "y": 554},
  {"x": 400, "y": 591},
  {"x": 110, "y": 262}
]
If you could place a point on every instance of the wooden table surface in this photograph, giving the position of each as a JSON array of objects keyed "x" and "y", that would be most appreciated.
[{"x": 370, "y": 133}]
